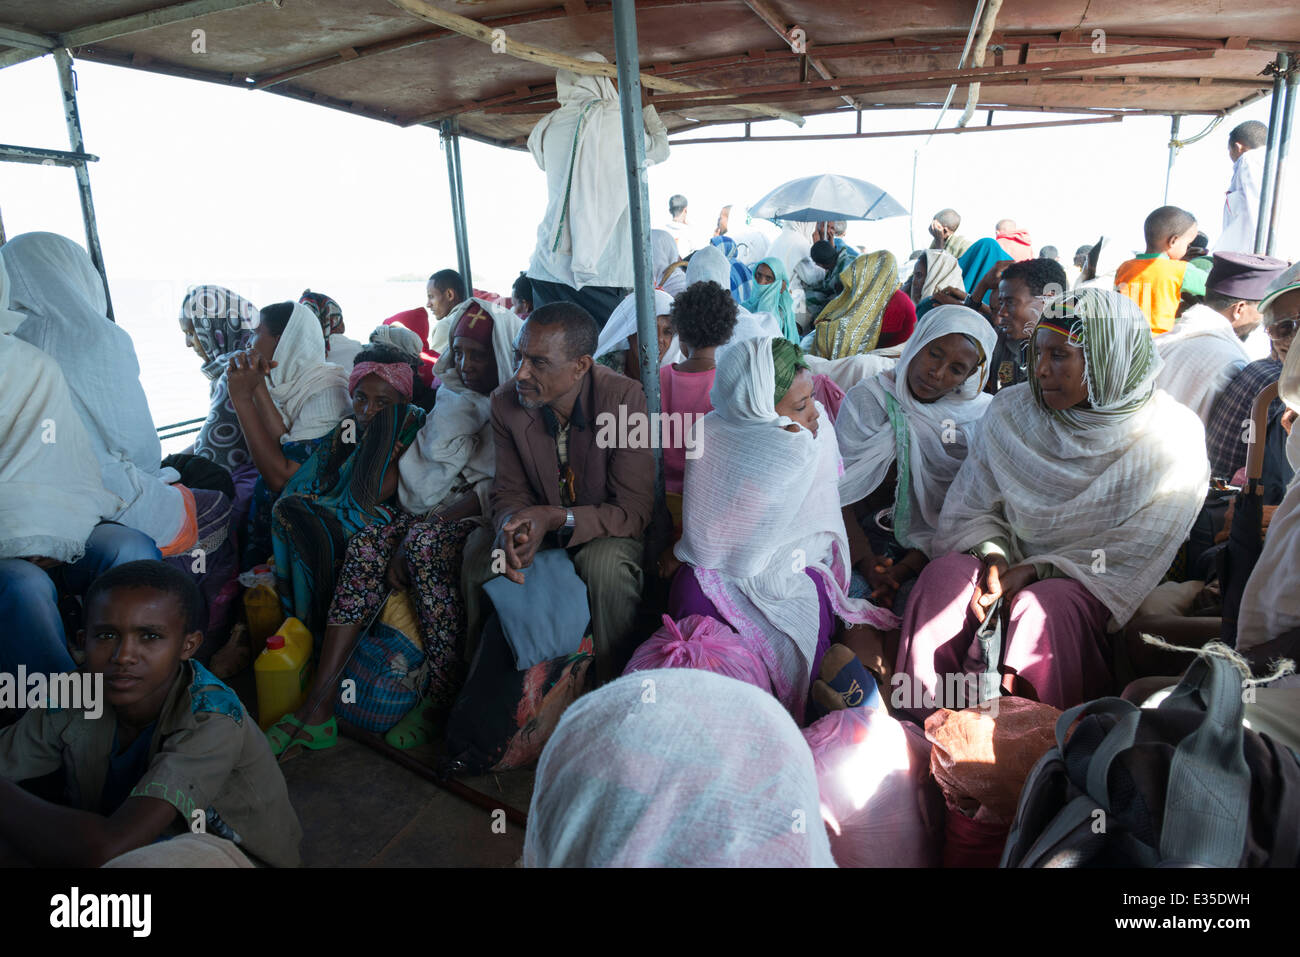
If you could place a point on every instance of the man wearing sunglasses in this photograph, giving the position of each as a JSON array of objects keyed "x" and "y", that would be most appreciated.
[{"x": 1229, "y": 431}]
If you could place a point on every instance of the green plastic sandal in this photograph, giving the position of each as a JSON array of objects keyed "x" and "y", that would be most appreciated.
[
  {"x": 288, "y": 732},
  {"x": 412, "y": 730}
]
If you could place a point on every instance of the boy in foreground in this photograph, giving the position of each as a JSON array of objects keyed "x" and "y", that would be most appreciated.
[{"x": 172, "y": 753}]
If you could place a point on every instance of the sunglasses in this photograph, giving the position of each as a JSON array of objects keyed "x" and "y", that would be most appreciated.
[{"x": 1283, "y": 328}]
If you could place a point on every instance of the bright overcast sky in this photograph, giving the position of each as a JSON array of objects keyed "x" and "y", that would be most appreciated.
[{"x": 198, "y": 180}]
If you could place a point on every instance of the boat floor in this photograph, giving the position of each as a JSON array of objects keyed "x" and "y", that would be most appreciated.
[{"x": 359, "y": 808}]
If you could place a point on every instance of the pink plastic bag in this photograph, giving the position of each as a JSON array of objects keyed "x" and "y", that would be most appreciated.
[
  {"x": 880, "y": 807},
  {"x": 704, "y": 643}
]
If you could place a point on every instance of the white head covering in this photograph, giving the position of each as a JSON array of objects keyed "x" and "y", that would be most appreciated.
[
  {"x": 880, "y": 413},
  {"x": 574, "y": 89},
  {"x": 759, "y": 505},
  {"x": 1106, "y": 495},
  {"x": 1270, "y": 605},
  {"x": 454, "y": 448},
  {"x": 663, "y": 253},
  {"x": 793, "y": 245},
  {"x": 622, "y": 324},
  {"x": 676, "y": 768},
  {"x": 941, "y": 271},
  {"x": 709, "y": 264},
  {"x": 398, "y": 337},
  {"x": 51, "y": 495},
  {"x": 311, "y": 394},
  {"x": 55, "y": 285},
  {"x": 751, "y": 243}
]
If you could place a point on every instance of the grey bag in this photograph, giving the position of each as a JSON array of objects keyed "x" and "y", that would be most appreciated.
[{"x": 1181, "y": 785}]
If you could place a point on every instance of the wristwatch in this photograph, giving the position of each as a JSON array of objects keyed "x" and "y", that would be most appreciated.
[{"x": 568, "y": 519}]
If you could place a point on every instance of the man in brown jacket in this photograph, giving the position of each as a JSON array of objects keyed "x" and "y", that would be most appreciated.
[{"x": 555, "y": 486}]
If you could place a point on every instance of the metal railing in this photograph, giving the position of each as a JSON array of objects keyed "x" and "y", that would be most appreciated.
[{"x": 177, "y": 429}]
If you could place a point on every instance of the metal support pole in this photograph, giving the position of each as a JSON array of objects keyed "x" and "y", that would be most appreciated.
[
  {"x": 1280, "y": 67},
  {"x": 629, "y": 101},
  {"x": 1283, "y": 152},
  {"x": 451, "y": 143},
  {"x": 1173, "y": 153},
  {"x": 68, "y": 83}
]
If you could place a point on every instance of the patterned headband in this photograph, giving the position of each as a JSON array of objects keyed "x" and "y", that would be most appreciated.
[{"x": 396, "y": 374}]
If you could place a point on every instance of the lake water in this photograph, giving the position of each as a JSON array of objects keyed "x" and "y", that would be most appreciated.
[{"x": 170, "y": 372}]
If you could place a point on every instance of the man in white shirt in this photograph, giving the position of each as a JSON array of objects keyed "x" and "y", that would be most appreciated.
[
  {"x": 1204, "y": 350},
  {"x": 584, "y": 242},
  {"x": 1241, "y": 205},
  {"x": 679, "y": 228}
]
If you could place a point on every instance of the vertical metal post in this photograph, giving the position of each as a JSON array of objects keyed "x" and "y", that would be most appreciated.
[
  {"x": 1283, "y": 152},
  {"x": 1280, "y": 66},
  {"x": 455, "y": 182},
  {"x": 629, "y": 101},
  {"x": 68, "y": 83},
  {"x": 1173, "y": 153}
]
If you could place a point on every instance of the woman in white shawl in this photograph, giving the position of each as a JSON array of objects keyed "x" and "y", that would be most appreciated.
[
  {"x": 710, "y": 265},
  {"x": 51, "y": 503},
  {"x": 663, "y": 255},
  {"x": 935, "y": 270},
  {"x": 618, "y": 346},
  {"x": 763, "y": 539},
  {"x": 903, "y": 435},
  {"x": 1079, "y": 488},
  {"x": 55, "y": 287},
  {"x": 676, "y": 768},
  {"x": 444, "y": 480},
  {"x": 287, "y": 399}
]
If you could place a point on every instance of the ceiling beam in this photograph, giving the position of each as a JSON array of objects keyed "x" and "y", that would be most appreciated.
[
  {"x": 18, "y": 37},
  {"x": 150, "y": 19},
  {"x": 551, "y": 58},
  {"x": 769, "y": 15},
  {"x": 1037, "y": 125}
]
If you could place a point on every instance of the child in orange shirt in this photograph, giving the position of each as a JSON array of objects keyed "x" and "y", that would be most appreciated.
[{"x": 1154, "y": 280}]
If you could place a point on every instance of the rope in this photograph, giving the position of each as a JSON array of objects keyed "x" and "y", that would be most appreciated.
[{"x": 1217, "y": 649}]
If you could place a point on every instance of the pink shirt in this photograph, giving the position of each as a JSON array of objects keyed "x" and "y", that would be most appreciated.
[{"x": 685, "y": 393}]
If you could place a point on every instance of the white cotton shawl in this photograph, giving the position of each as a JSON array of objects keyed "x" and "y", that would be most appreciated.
[
  {"x": 1201, "y": 356},
  {"x": 9, "y": 320},
  {"x": 1270, "y": 605},
  {"x": 941, "y": 271},
  {"x": 583, "y": 237},
  {"x": 759, "y": 505},
  {"x": 938, "y": 433},
  {"x": 1106, "y": 495},
  {"x": 848, "y": 371},
  {"x": 311, "y": 394},
  {"x": 622, "y": 324},
  {"x": 56, "y": 287},
  {"x": 455, "y": 448},
  {"x": 710, "y": 265},
  {"x": 51, "y": 495},
  {"x": 676, "y": 767},
  {"x": 792, "y": 246}
]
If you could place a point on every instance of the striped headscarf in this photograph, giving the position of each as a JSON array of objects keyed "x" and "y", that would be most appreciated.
[
  {"x": 327, "y": 311},
  {"x": 850, "y": 324},
  {"x": 1119, "y": 355},
  {"x": 787, "y": 360}
]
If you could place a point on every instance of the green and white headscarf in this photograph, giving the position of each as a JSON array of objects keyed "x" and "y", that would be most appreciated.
[{"x": 1119, "y": 355}]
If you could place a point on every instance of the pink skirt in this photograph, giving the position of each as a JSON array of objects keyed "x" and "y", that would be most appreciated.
[{"x": 1055, "y": 642}]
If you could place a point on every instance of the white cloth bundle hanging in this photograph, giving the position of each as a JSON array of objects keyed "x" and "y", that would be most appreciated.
[
  {"x": 1270, "y": 605},
  {"x": 51, "y": 496},
  {"x": 583, "y": 237},
  {"x": 938, "y": 433},
  {"x": 1105, "y": 494},
  {"x": 676, "y": 767},
  {"x": 941, "y": 271},
  {"x": 1201, "y": 356},
  {"x": 759, "y": 505},
  {"x": 311, "y": 394},
  {"x": 622, "y": 324},
  {"x": 56, "y": 287},
  {"x": 455, "y": 446}
]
